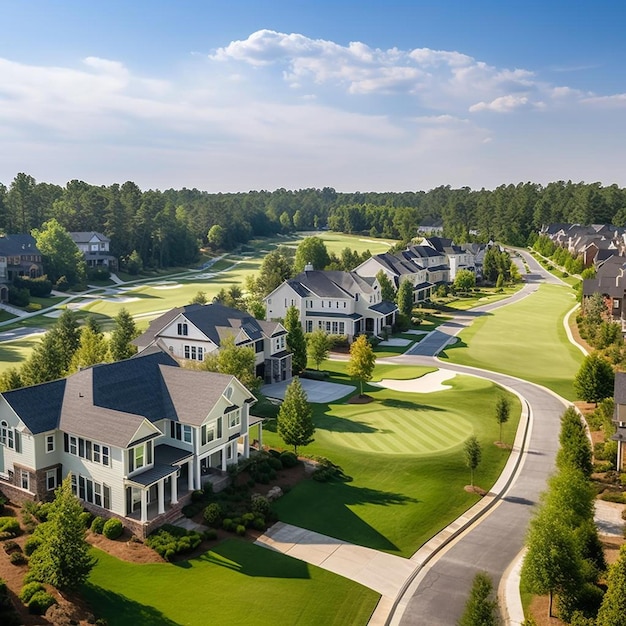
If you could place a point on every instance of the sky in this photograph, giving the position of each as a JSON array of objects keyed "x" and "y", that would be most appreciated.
[{"x": 359, "y": 95}]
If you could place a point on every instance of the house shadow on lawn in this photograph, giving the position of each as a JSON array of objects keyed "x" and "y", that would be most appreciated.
[
  {"x": 324, "y": 508},
  {"x": 255, "y": 561},
  {"x": 120, "y": 610}
]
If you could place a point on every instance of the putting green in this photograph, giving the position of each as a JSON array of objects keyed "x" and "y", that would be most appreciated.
[{"x": 398, "y": 430}]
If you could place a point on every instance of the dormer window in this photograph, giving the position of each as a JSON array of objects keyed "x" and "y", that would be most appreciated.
[
  {"x": 229, "y": 393},
  {"x": 183, "y": 329},
  {"x": 7, "y": 435}
]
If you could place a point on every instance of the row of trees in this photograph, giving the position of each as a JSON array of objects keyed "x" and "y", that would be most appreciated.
[
  {"x": 165, "y": 227},
  {"x": 68, "y": 347}
]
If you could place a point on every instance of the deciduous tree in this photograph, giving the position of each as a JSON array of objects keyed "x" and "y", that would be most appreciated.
[
  {"x": 387, "y": 291},
  {"x": 472, "y": 453},
  {"x": 295, "y": 339},
  {"x": 594, "y": 380},
  {"x": 465, "y": 280},
  {"x": 575, "y": 450},
  {"x": 311, "y": 250},
  {"x": 238, "y": 361},
  {"x": 613, "y": 609},
  {"x": 295, "y": 418},
  {"x": 404, "y": 298},
  {"x": 63, "y": 559},
  {"x": 318, "y": 345},
  {"x": 362, "y": 361},
  {"x": 503, "y": 412}
]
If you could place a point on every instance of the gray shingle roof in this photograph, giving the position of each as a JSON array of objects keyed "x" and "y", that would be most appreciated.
[
  {"x": 87, "y": 236},
  {"x": 15, "y": 244},
  {"x": 330, "y": 284},
  {"x": 384, "y": 307},
  {"x": 39, "y": 407}
]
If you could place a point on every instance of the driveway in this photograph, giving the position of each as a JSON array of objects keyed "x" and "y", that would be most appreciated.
[{"x": 316, "y": 390}]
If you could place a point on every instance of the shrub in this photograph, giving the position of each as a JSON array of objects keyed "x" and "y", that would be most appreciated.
[
  {"x": 3, "y": 501},
  {"x": 11, "y": 546},
  {"x": 86, "y": 518},
  {"x": 259, "y": 504},
  {"x": 258, "y": 523},
  {"x": 29, "y": 590},
  {"x": 40, "y": 603},
  {"x": 247, "y": 519},
  {"x": 62, "y": 284},
  {"x": 275, "y": 464},
  {"x": 9, "y": 527},
  {"x": 210, "y": 535},
  {"x": 38, "y": 287},
  {"x": 241, "y": 530},
  {"x": 19, "y": 297},
  {"x": 289, "y": 459},
  {"x": 31, "y": 544},
  {"x": 613, "y": 496},
  {"x": 227, "y": 524},
  {"x": 18, "y": 558},
  {"x": 213, "y": 514},
  {"x": 197, "y": 496},
  {"x": 170, "y": 540},
  {"x": 191, "y": 510},
  {"x": 112, "y": 528},
  {"x": 97, "y": 525}
]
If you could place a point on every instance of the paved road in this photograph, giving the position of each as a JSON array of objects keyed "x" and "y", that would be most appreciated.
[{"x": 438, "y": 594}]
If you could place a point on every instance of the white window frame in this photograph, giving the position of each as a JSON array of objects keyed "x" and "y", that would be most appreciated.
[
  {"x": 50, "y": 443},
  {"x": 234, "y": 418},
  {"x": 25, "y": 479},
  {"x": 51, "y": 480}
]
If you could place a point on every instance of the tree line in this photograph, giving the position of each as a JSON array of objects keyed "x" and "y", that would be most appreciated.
[{"x": 166, "y": 228}]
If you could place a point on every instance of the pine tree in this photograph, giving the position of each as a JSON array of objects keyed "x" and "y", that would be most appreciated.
[
  {"x": 362, "y": 360},
  {"x": 45, "y": 362},
  {"x": 92, "y": 350},
  {"x": 125, "y": 331},
  {"x": 575, "y": 450},
  {"x": 10, "y": 379},
  {"x": 295, "y": 418},
  {"x": 295, "y": 340},
  {"x": 66, "y": 332},
  {"x": 63, "y": 558}
]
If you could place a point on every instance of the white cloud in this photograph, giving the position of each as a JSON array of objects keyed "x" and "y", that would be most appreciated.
[{"x": 503, "y": 104}]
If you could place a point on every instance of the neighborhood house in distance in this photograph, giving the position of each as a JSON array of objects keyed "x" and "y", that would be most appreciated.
[
  {"x": 95, "y": 249},
  {"x": 138, "y": 436},
  {"x": 195, "y": 330}
]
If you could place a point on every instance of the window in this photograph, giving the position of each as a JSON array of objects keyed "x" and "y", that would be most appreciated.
[
  {"x": 212, "y": 431},
  {"x": 194, "y": 352},
  {"x": 342, "y": 328},
  {"x": 183, "y": 329},
  {"x": 616, "y": 304},
  {"x": 335, "y": 328},
  {"x": 182, "y": 432},
  {"x": 309, "y": 326},
  {"x": 86, "y": 449},
  {"x": 91, "y": 491},
  {"x": 234, "y": 418},
  {"x": 49, "y": 443},
  {"x": 7, "y": 435},
  {"x": 327, "y": 327},
  {"x": 258, "y": 346},
  {"x": 51, "y": 480},
  {"x": 25, "y": 479},
  {"x": 229, "y": 452},
  {"x": 139, "y": 456},
  {"x": 337, "y": 303}
]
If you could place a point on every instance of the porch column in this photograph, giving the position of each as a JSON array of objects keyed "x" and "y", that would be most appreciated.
[
  {"x": 161, "y": 494},
  {"x": 144, "y": 505},
  {"x": 224, "y": 458},
  {"x": 246, "y": 446},
  {"x": 260, "y": 435},
  {"x": 174, "y": 490},
  {"x": 190, "y": 474},
  {"x": 194, "y": 465}
]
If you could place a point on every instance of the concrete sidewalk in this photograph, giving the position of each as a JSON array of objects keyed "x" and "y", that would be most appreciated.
[{"x": 379, "y": 571}]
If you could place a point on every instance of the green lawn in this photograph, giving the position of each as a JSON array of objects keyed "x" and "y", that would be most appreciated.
[
  {"x": 486, "y": 295},
  {"x": 235, "y": 583},
  {"x": 404, "y": 454},
  {"x": 526, "y": 339}
]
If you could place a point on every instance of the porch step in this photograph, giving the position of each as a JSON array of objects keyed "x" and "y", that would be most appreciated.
[{"x": 189, "y": 524}]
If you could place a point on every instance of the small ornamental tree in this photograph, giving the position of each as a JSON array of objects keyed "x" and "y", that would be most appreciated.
[
  {"x": 318, "y": 345},
  {"x": 295, "y": 339},
  {"x": 472, "y": 453},
  {"x": 362, "y": 361},
  {"x": 595, "y": 379},
  {"x": 404, "y": 298},
  {"x": 239, "y": 361},
  {"x": 503, "y": 412},
  {"x": 465, "y": 280},
  {"x": 295, "y": 418},
  {"x": 481, "y": 609},
  {"x": 63, "y": 558}
]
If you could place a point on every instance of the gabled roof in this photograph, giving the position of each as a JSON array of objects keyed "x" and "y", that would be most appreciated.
[
  {"x": 111, "y": 402},
  {"x": 398, "y": 265},
  {"x": 87, "y": 236},
  {"x": 384, "y": 308},
  {"x": 330, "y": 284},
  {"x": 423, "y": 251},
  {"x": 12, "y": 245},
  {"x": 216, "y": 321}
]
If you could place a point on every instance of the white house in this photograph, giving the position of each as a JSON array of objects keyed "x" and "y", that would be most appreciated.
[
  {"x": 456, "y": 257},
  {"x": 195, "y": 330},
  {"x": 398, "y": 268},
  {"x": 137, "y": 437},
  {"x": 340, "y": 303}
]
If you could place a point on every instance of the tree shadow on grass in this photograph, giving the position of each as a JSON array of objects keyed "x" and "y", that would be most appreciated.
[
  {"x": 337, "y": 424},
  {"x": 324, "y": 508},
  {"x": 251, "y": 560},
  {"x": 122, "y": 611},
  {"x": 409, "y": 406}
]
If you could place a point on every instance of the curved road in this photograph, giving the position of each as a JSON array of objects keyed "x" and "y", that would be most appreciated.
[{"x": 437, "y": 595}]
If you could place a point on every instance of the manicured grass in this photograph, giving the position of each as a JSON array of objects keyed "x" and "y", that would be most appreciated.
[
  {"x": 526, "y": 339},
  {"x": 235, "y": 583},
  {"x": 486, "y": 295},
  {"x": 336, "y": 242},
  {"x": 404, "y": 452}
]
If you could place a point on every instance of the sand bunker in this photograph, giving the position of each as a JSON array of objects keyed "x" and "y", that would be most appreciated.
[
  {"x": 425, "y": 384},
  {"x": 167, "y": 286}
]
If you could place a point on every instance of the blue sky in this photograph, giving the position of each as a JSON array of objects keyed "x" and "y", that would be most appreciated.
[{"x": 361, "y": 95}]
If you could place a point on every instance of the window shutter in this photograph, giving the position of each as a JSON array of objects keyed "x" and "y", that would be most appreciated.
[
  {"x": 148, "y": 453},
  {"x": 88, "y": 449},
  {"x": 59, "y": 475},
  {"x": 172, "y": 430},
  {"x": 18, "y": 441},
  {"x": 131, "y": 460},
  {"x": 66, "y": 442}
]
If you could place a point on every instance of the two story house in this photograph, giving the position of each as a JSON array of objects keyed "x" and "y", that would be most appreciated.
[
  {"x": 398, "y": 268},
  {"x": 95, "y": 249},
  {"x": 610, "y": 282},
  {"x": 137, "y": 436},
  {"x": 456, "y": 257},
  {"x": 340, "y": 303},
  {"x": 19, "y": 256},
  {"x": 195, "y": 330}
]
